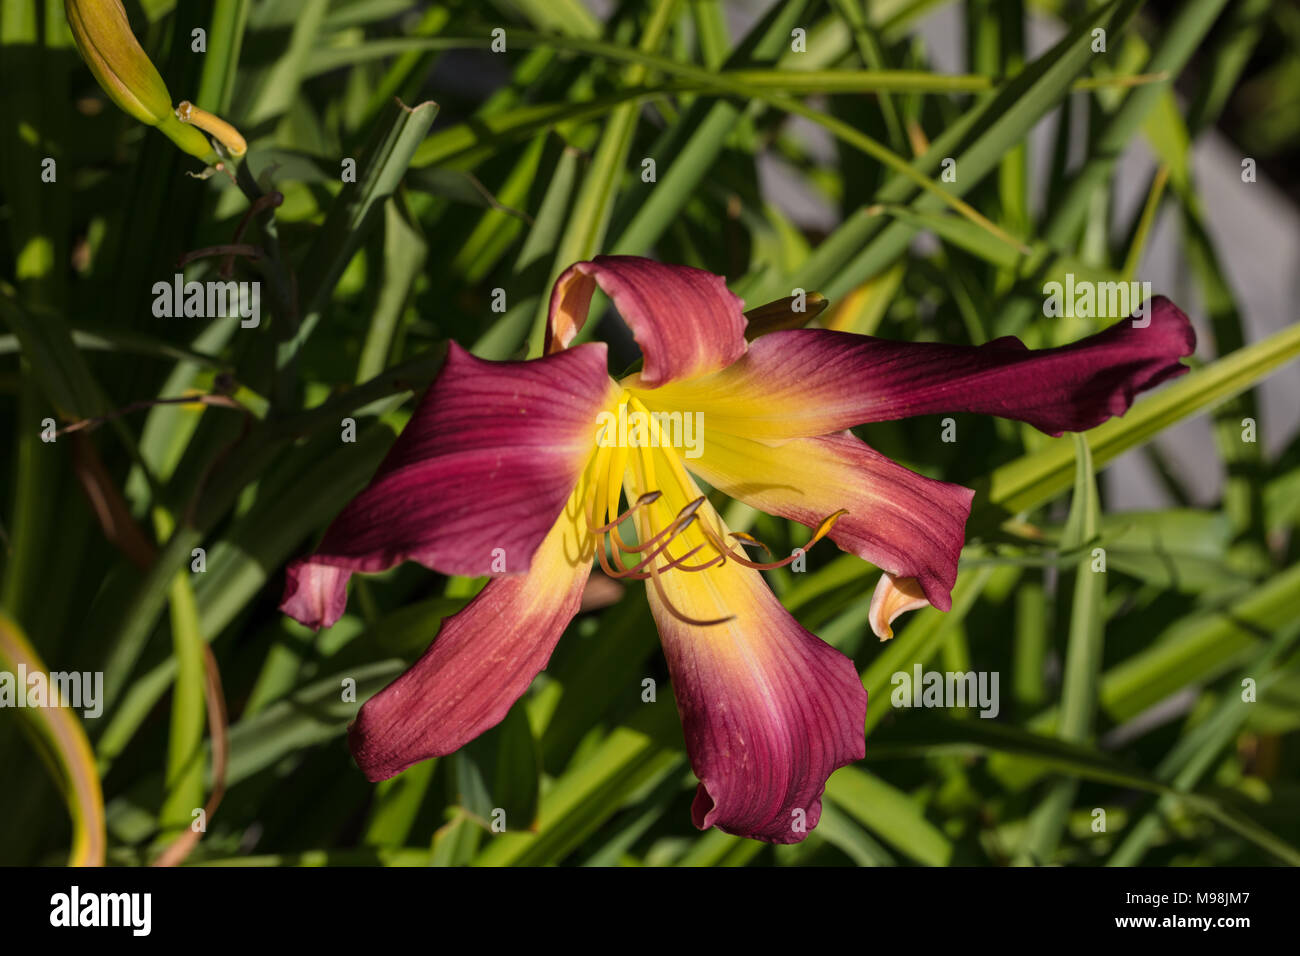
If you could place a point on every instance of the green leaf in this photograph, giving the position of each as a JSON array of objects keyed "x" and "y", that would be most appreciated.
[
  {"x": 1083, "y": 656},
  {"x": 356, "y": 210},
  {"x": 498, "y": 774},
  {"x": 184, "y": 780},
  {"x": 404, "y": 255},
  {"x": 1194, "y": 753},
  {"x": 1040, "y": 476},
  {"x": 221, "y": 59},
  {"x": 587, "y": 794},
  {"x": 890, "y": 814},
  {"x": 594, "y": 204},
  {"x": 65, "y": 748},
  {"x": 311, "y": 715},
  {"x": 58, "y": 366},
  {"x": 927, "y": 735}
]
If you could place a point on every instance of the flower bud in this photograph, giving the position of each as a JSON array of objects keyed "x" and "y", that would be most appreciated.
[{"x": 119, "y": 64}]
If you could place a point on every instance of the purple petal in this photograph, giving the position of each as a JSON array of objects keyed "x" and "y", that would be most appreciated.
[
  {"x": 808, "y": 382},
  {"x": 686, "y": 320},
  {"x": 769, "y": 711},
  {"x": 483, "y": 659},
  {"x": 473, "y": 483},
  {"x": 902, "y": 522}
]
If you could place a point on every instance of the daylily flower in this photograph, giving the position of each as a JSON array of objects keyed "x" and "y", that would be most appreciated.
[
  {"x": 125, "y": 72},
  {"x": 500, "y": 472}
]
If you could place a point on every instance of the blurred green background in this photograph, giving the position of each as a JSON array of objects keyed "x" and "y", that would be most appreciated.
[{"x": 796, "y": 144}]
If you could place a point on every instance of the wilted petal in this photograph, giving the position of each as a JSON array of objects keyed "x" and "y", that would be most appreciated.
[
  {"x": 476, "y": 479},
  {"x": 892, "y": 597},
  {"x": 686, "y": 320},
  {"x": 902, "y": 522},
  {"x": 482, "y": 660},
  {"x": 808, "y": 382},
  {"x": 315, "y": 594}
]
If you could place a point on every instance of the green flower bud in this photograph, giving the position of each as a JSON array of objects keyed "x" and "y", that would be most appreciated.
[{"x": 119, "y": 64}]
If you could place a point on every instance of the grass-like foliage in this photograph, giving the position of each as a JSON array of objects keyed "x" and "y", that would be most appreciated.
[{"x": 418, "y": 173}]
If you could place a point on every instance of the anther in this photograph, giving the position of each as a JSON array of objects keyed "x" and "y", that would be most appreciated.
[
  {"x": 822, "y": 530},
  {"x": 661, "y": 541},
  {"x": 649, "y": 498}
]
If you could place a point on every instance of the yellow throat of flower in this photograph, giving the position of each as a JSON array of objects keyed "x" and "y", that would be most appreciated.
[{"x": 677, "y": 530}]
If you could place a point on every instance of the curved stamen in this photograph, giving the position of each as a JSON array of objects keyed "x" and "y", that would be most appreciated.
[
  {"x": 604, "y": 561},
  {"x": 684, "y": 618},
  {"x": 655, "y": 549},
  {"x": 687, "y": 512},
  {"x": 649, "y": 498},
  {"x": 677, "y": 563},
  {"x": 685, "y": 516},
  {"x": 672, "y": 531},
  {"x": 823, "y": 529},
  {"x": 692, "y": 568},
  {"x": 744, "y": 537}
]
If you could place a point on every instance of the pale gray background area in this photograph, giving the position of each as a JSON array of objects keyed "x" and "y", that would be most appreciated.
[{"x": 1255, "y": 229}]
